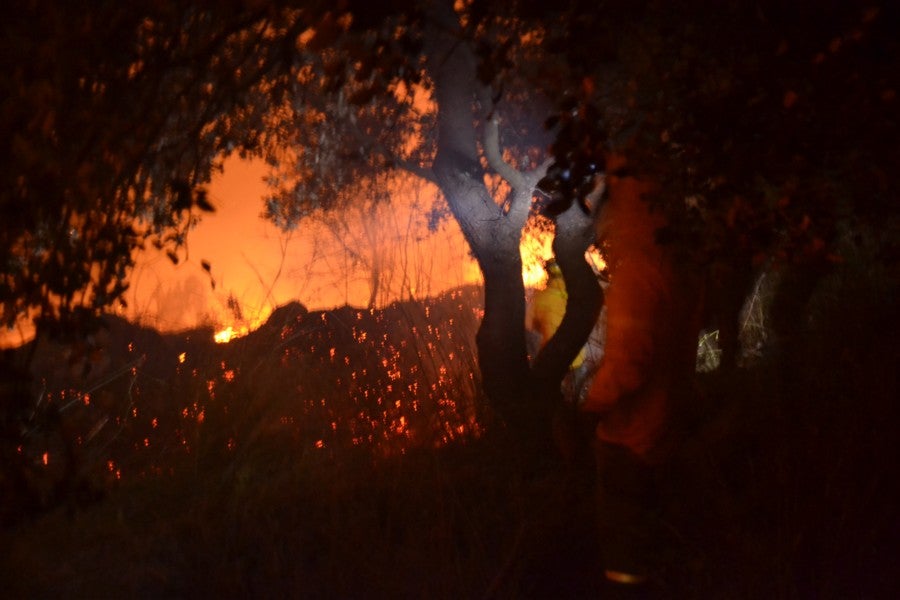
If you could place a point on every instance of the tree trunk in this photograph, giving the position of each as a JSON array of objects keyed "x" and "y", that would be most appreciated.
[
  {"x": 575, "y": 233},
  {"x": 494, "y": 234},
  {"x": 502, "y": 352}
]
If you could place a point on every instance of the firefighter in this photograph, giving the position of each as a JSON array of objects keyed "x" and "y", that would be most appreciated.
[
  {"x": 644, "y": 379},
  {"x": 548, "y": 309}
]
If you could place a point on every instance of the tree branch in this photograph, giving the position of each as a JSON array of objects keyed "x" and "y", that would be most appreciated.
[
  {"x": 521, "y": 205},
  {"x": 373, "y": 145},
  {"x": 523, "y": 184},
  {"x": 491, "y": 145},
  {"x": 417, "y": 170}
]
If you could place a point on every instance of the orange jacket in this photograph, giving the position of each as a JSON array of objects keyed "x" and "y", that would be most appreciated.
[{"x": 652, "y": 325}]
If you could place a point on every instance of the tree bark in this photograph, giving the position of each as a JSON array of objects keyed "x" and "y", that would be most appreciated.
[{"x": 492, "y": 236}]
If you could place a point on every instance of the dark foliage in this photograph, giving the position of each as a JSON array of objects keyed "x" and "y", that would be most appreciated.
[{"x": 114, "y": 119}]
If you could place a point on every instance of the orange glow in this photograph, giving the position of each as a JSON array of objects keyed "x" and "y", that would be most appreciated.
[{"x": 255, "y": 267}]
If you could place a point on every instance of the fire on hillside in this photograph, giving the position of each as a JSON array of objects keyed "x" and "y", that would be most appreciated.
[{"x": 141, "y": 404}]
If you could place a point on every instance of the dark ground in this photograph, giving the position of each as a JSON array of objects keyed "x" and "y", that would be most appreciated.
[{"x": 785, "y": 485}]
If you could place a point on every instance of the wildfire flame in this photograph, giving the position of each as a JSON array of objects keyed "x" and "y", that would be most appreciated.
[
  {"x": 240, "y": 328},
  {"x": 536, "y": 249},
  {"x": 226, "y": 335}
]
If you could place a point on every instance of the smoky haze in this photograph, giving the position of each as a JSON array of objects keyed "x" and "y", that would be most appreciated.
[{"x": 256, "y": 267}]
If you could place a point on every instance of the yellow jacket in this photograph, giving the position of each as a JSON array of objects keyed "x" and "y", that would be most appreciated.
[{"x": 549, "y": 306}]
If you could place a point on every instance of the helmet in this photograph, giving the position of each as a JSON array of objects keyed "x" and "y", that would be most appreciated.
[{"x": 552, "y": 268}]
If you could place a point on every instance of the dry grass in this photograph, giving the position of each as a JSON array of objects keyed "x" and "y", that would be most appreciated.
[{"x": 753, "y": 332}]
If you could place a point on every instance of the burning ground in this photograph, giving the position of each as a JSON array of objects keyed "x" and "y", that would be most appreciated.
[{"x": 133, "y": 403}]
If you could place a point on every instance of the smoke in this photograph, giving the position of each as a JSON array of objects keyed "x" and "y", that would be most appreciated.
[
  {"x": 255, "y": 267},
  {"x": 376, "y": 257}
]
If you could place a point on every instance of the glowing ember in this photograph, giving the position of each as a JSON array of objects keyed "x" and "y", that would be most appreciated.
[{"x": 345, "y": 378}]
